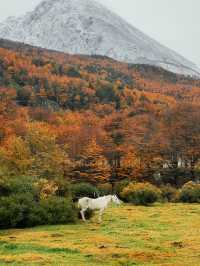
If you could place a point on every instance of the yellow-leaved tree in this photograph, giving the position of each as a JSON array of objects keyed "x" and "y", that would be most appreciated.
[
  {"x": 93, "y": 166},
  {"x": 15, "y": 157},
  {"x": 49, "y": 159}
]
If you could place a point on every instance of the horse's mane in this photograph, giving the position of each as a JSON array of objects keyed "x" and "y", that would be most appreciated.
[{"x": 108, "y": 196}]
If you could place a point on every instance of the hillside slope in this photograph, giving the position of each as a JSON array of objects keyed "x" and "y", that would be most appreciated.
[
  {"x": 43, "y": 70},
  {"x": 133, "y": 118}
]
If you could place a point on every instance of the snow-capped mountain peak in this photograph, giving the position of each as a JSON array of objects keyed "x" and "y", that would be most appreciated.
[{"x": 87, "y": 27}]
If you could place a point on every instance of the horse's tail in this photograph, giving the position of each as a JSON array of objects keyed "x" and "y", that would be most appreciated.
[{"x": 78, "y": 204}]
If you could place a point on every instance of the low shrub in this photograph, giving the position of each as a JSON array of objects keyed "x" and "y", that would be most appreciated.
[
  {"x": 190, "y": 192},
  {"x": 57, "y": 187},
  {"x": 59, "y": 210},
  {"x": 4, "y": 188},
  {"x": 84, "y": 190},
  {"x": 119, "y": 186},
  {"x": 169, "y": 193},
  {"x": 23, "y": 206},
  {"x": 15, "y": 210},
  {"x": 11, "y": 212},
  {"x": 20, "y": 211},
  {"x": 22, "y": 185},
  {"x": 46, "y": 188},
  {"x": 140, "y": 193}
]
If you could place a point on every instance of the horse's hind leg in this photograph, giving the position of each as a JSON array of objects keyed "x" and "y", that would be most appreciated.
[
  {"x": 83, "y": 215},
  {"x": 100, "y": 215}
]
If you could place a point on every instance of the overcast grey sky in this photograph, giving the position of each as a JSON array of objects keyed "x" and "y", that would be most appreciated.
[{"x": 175, "y": 23}]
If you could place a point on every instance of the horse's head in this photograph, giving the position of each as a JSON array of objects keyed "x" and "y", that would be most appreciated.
[{"x": 115, "y": 200}]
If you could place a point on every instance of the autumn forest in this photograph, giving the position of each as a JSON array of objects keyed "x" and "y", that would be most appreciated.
[{"x": 95, "y": 120}]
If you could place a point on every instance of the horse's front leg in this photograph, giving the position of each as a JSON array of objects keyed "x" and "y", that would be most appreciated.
[
  {"x": 100, "y": 215},
  {"x": 83, "y": 215}
]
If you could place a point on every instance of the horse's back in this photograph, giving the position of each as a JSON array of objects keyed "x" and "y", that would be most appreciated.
[{"x": 94, "y": 204}]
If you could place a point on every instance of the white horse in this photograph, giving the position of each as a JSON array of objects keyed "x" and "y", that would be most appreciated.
[{"x": 100, "y": 204}]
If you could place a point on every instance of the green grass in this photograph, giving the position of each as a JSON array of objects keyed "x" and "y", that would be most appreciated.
[{"x": 165, "y": 234}]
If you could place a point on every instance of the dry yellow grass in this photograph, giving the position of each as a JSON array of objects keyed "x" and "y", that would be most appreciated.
[{"x": 165, "y": 234}]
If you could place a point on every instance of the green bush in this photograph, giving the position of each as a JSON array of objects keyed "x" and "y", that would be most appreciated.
[
  {"x": 120, "y": 186},
  {"x": 59, "y": 210},
  {"x": 190, "y": 192},
  {"x": 21, "y": 206},
  {"x": 140, "y": 193},
  {"x": 11, "y": 212},
  {"x": 4, "y": 188},
  {"x": 15, "y": 210},
  {"x": 83, "y": 190},
  {"x": 20, "y": 211},
  {"x": 169, "y": 193},
  {"x": 22, "y": 185}
]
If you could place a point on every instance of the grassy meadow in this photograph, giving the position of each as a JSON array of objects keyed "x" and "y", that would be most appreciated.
[{"x": 165, "y": 234}]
